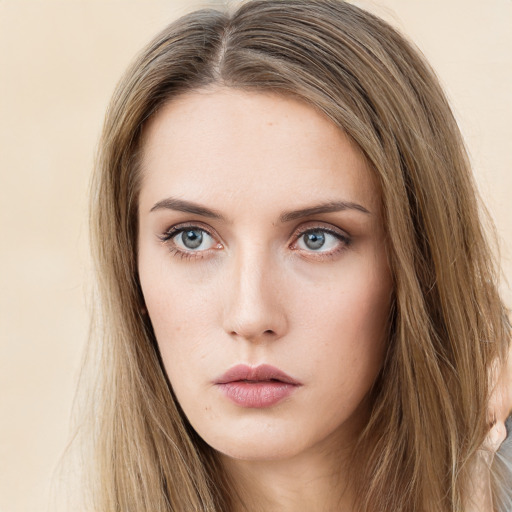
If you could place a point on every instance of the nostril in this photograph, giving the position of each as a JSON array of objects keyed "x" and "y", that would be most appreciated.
[
  {"x": 247, "y": 321},
  {"x": 253, "y": 335}
]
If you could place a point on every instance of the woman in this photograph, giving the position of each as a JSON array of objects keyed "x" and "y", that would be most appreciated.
[{"x": 299, "y": 306}]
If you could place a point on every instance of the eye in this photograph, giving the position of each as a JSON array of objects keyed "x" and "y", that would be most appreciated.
[
  {"x": 193, "y": 239},
  {"x": 322, "y": 241},
  {"x": 189, "y": 240}
]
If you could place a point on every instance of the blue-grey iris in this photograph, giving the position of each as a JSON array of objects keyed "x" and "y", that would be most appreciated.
[
  {"x": 192, "y": 239},
  {"x": 314, "y": 240}
]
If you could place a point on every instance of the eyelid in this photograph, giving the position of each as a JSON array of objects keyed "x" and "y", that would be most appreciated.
[
  {"x": 344, "y": 238},
  {"x": 321, "y": 226},
  {"x": 167, "y": 238},
  {"x": 179, "y": 228}
]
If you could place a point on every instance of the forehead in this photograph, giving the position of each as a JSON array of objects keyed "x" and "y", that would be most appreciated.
[{"x": 225, "y": 144}]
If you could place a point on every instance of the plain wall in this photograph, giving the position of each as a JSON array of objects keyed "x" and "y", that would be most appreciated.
[{"x": 59, "y": 62}]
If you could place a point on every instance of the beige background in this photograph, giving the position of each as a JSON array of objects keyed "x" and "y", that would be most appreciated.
[{"x": 59, "y": 61}]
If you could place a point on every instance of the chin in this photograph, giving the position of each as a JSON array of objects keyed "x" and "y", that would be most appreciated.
[
  {"x": 259, "y": 443},
  {"x": 256, "y": 451}
]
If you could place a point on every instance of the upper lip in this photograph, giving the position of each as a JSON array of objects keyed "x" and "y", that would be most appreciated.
[{"x": 261, "y": 373}]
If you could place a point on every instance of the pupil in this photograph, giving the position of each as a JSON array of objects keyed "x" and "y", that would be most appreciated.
[
  {"x": 192, "y": 239},
  {"x": 315, "y": 240}
]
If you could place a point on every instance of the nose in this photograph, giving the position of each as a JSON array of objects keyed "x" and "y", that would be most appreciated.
[{"x": 254, "y": 306}]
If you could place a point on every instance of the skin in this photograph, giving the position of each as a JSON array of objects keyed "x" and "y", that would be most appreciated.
[
  {"x": 255, "y": 292},
  {"x": 500, "y": 407}
]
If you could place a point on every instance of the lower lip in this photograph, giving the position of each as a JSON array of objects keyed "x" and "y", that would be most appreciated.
[{"x": 257, "y": 395}]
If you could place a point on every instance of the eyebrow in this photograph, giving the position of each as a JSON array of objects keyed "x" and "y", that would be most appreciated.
[
  {"x": 172, "y": 203},
  {"x": 330, "y": 207}
]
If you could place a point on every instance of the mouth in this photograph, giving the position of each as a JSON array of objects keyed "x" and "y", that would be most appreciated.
[{"x": 258, "y": 387}]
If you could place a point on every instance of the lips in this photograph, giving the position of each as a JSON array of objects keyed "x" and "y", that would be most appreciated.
[
  {"x": 260, "y": 373},
  {"x": 256, "y": 387}
]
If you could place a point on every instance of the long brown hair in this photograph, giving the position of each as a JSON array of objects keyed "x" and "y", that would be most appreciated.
[{"x": 429, "y": 403}]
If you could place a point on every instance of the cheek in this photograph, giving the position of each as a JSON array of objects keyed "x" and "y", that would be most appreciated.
[
  {"x": 349, "y": 329},
  {"x": 182, "y": 320},
  {"x": 354, "y": 306},
  {"x": 172, "y": 315}
]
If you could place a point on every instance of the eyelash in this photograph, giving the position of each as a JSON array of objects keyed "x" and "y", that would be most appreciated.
[
  {"x": 341, "y": 236},
  {"x": 167, "y": 238}
]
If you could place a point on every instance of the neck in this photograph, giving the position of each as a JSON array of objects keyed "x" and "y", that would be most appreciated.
[{"x": 317, "y": 480}]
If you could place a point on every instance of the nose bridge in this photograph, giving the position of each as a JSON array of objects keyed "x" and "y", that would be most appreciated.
[{"x": 254, "y": 309}]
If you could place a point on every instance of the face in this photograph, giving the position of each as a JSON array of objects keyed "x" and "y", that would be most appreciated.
[{"x": 263, "y": 266}]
